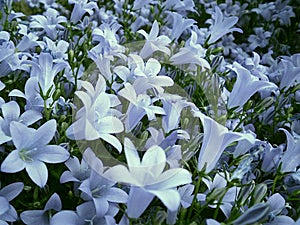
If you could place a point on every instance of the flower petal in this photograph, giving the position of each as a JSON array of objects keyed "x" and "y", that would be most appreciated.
[
  {"x": 12, "y": 190},
  {"x": 12, "y": 163},
  {"x": 38, "y": 172},
  {"x": 53, "y": 154},
  {"x": 138, "y": 201},
  {"x": 170, "y": 198}
]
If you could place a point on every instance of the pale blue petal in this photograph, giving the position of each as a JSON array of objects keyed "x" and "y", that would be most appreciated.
[
  {"x": 54, "y": 202},
  {"x": 53, "y": 154},
  {"x": 171, "y": 179},
  {"x": 22, "y": 136},
  {"x": 101, "y": 206},
  {"x": 66, "y": 217},
  {"x": 30, "y": 116},
  {"x": 38, "y": 172},
  {"x": 109, "y": 124},
  {"x": 11, "y": 111},
  {"x": 120, "y": 174},
  {"x": 138, "y": 201},
  {"x": 154, "y": 160},
  {"x": 34, "y": 217},
  {"x": 12, "y": 163},
  {"x": 132, "y": 156},
  {"x": 12, "y": 190},
  {"x": 112, "y": 140},
  {"x": 45, "y": 133},
  {"x": 170, "y": 198},
  {"x": 4, "y": 205},
  {"x": 116, "y": 195},
  {"x": 10, "y": 215}
]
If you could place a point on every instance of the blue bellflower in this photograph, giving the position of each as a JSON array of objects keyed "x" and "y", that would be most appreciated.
[
  {"x": 154, "y": 42},
  {"x": 32, "y": 151},
  {"x": 42, "y": 216},
  {"x": 11, "y": 112},
  {"x": 148, "y": 179},
  {"x": 221, "y": 25},
  {"x": 8, "y": 193}
]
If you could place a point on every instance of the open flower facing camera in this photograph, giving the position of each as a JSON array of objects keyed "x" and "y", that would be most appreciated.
[{"x": 149, "y": 112}]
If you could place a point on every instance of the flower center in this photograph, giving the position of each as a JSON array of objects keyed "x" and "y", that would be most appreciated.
[{"x": 26, "y": 155}]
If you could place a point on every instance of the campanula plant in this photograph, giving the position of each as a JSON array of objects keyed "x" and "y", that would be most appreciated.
[{"x": 149, "y": 112}]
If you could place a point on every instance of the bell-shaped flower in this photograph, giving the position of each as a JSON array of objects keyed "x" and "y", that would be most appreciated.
[
  {"x": 228, "y": 200},
  {"x": 77, "y": 172},
  {"x": 291, "y": 156},
  {"x": 173, "y": 105},
  {"x": 34, "y": 100},
  {"x": 186, "y": 195},
  {"x": 101, "y": 192},
  {"x": 7, "y": 47},
  {"x": 80, "y": 8},
  {"x": 45, "y": 70},
  {"x": 11, "y": 112},
  {"x": 37, "y": 217},
  {"x": 48, "y": 23},
  {"x": 179, "y": 24},
  {"x": 58, "y": 49},
  {"x": 276, "y": 212},
  {"x": 192, "y": 53},
  {"x": 291, "y": 74},
  {"x": 8, "y": 193},
  {"x": 245, "y": 86},
  {"x": 142, "y": 75},
  {"x": 139, "y": 106},
  {"x": 221, "y": 25},
  {"x": 154, "y": 42},
  {"x": 96, "y": 119},
  {"x": 216, "y": 139},
  {"x": 148, "y": 179},
  {"x": 32, "y": 151},
  {"x": 107, "y": 49}
]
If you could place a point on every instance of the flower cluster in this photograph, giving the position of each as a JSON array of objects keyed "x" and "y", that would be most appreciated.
[{"x": 149, "y": 112}]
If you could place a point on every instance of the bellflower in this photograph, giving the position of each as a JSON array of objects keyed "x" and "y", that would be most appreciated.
[
  {"x": 186, "y": 195},
  {"x": 107, "y": 48},
  {"x": 77, "y": 172},
  {"x": 173, "y": 105},
  {"x": 29, "y": 39},
  {"x": 101, "y": 192},
  {"x": 259, "y": 39},
  {"x": 139, "y": 106},
  {"x": 38, "y": 217},
  {"x": 48, "y": 23},
  {"x": 58, "y": 49},
  {"x": 8, "y": 193},
  {"x": 11, "y": 112},
  {"x": 229, "y": 198},
  {"x": 45, "y": 70},
  {"x": 216, "y": 139},
  {"x": 221, "y": 25},
  {"x": 290, "y": 74},
  {"x": 32, "y": 96},
  {"x": 154, "y": 42},
  {"x": 148, "y": 179},
  {"x": 245, "y": 86},
  {"x": 179, "y": 24},
  {"x": 80, "y": 8},
  {"x": 142, "y": 75},
  {"x": 96, "y": 119},
  {"x": 291, "y": 156},
  {"x": 7, "y": 47},
  {"x": 32, "y": 151},
  {"x": 192, "y": 53}
]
